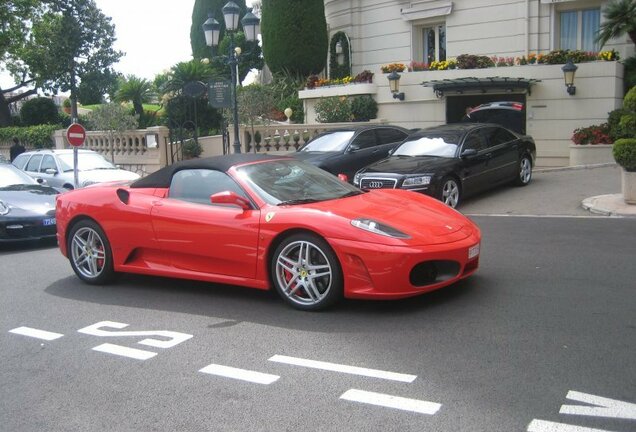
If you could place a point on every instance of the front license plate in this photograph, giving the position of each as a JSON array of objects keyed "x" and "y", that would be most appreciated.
[
  {"x": 48, "y": 222},
  {"x": 473, "y": 251}
]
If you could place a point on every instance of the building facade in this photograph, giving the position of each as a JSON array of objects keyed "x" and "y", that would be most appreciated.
[{"x": 381, "y": 32}]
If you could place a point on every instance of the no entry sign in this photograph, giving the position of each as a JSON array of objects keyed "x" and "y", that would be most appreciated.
[{"x": 76, "y": 134}]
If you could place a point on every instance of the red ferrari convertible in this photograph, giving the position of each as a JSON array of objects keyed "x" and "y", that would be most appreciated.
[{"x": 263, "y": 222}]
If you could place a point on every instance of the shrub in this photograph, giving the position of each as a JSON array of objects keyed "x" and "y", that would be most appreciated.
[
  {"x": 39, "y": 136},
  {"x": 629, "y": 102},
  {"x": 469, "y": 61},
  {"x": 191, "y": 149},
  {"x": 38, "y": 111},
  {"x": 624, "y": 152},
  {"x": 613, "y": 122},
  {"x": 333, "y": 110},
  {"x": 597, "y": 134},
  {"x": 364, "y": 108},
  {"x": 293, "y": 102}
]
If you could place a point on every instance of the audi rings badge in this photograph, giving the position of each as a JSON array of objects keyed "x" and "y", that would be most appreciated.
[{"x": 375, "y": 184}]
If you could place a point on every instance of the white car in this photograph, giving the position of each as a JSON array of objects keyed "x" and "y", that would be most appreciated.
[{"x": 56, "y": 168}]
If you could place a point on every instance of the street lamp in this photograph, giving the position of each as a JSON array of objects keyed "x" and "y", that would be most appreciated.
[
  {"x": 394, "y": 85},
  {"x": 212, "y": 30},
  {"x": 569, "y": 70}
]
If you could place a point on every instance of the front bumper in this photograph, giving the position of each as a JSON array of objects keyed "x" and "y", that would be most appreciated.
[
  {"x": 393, "y": 272},
  {"x": 26, "y": 228}
]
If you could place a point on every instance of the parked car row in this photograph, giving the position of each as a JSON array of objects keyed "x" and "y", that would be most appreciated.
[{"x": 448, "y": 162}]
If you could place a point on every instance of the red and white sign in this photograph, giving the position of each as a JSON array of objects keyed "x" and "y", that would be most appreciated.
[{"x": 76, "y": 134}]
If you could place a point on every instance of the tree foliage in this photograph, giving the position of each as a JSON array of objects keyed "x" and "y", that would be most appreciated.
[
  {"x": 136, "y": 91},
  {"x": 96, "y": 85},
  {"x": 620, "y": 19},
  {"x": 63, "y": 41},
  {"x": 295, "y": 36}
]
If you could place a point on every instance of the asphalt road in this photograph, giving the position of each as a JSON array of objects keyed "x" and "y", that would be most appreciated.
[{"x": 548, "y": 323}]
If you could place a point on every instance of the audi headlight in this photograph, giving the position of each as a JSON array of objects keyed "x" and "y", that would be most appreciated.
[
  {"x": 4, "y": 208},
  {"x": 417, "y": 181},
  {"x": 356, "y": 179},
  {"x": 378, "y": 228}
]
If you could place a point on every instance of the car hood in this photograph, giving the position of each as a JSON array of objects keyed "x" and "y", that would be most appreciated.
[
  {"x": 409, "y": 165},
  {"x": 105, "y": 175},
  {"x": 426, "y": 220},
  {"x": 29, "y": 199},
  {"x": 314, "y": 158}
]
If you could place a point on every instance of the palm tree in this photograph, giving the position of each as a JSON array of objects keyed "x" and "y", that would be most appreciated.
[
  {"x": 135, "y": 90},
  {"x": 620, "y": 18}
]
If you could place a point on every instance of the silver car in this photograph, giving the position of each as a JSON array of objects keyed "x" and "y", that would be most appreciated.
[{"x": 56, "y": 168}]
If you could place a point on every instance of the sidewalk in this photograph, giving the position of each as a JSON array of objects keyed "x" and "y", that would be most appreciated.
[{"x": 569, "y": 191}]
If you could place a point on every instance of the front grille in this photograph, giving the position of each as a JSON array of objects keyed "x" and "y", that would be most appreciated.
[
  {"x": 29, "y": 229},
  {"x": 377, "y": 183},
  {"x": 432, "y": 272}
]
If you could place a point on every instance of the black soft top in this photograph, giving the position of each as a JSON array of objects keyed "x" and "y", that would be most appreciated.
[{"x": 163, "y": 177}]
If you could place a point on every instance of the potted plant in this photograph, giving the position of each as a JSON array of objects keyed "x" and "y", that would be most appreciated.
[{"x": 625, "y": 148}]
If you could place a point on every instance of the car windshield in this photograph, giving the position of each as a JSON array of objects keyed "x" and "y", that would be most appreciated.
[
  {"x": 290, "y": 182},
  {"x": 441, "y": 145},
  {"x": 9, "y": 175},
  {"x": 332, "y": 141},
  {"x": 85, "y": 162}
]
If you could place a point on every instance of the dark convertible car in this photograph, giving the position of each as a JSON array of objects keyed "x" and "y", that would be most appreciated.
[
  {"x": 453, "y": 161},
  {"x": 344, "y": 151}
]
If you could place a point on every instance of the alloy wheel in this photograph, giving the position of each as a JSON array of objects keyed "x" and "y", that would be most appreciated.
[
  {"x": 88, "y": 252},
  {"x": 303, "y": 273}
]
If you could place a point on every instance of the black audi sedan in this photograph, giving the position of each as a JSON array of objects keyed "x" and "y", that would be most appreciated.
[
  {"x": 27, "y": 208},
  {"x": 453, "y": 161},
  {"x": 344, "y": 151}
]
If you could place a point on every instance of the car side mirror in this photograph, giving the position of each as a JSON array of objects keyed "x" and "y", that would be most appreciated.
[
  {"x": 50, "y": 171},
  {"x": 231, "y": 198},
  {"x": 353, "y": 147},
  {"x": 468, "y": 153}
]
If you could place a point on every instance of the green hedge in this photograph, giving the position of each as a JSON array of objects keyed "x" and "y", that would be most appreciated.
[{"x": 40, "y": 136}]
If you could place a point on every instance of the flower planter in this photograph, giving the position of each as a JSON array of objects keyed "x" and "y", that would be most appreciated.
[
  {"x": 628, "y": 186},
  {"x": 590, "y": 154}
]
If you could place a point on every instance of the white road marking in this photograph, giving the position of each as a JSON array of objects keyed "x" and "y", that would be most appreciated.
[
  {"x": 125, "y": 351},
  {"x": 35, "y": 333},
  {"x": 548, "y": 426},
  {"x": 175, "y": 337},
  {"x": 605, "y": 407},
  {"x": 385, "y": 400},
  {"x": 334, "y": 367},
  {"x": 239, "y": 374}
]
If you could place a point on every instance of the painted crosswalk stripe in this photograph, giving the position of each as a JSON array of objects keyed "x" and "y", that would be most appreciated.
[
  {"x": 548, "y": 426},
  {"x": 334, "y": 367},
  {"x": 239, "y": 374},
  {"x": 35, "y": 333},
  {"x": 389, "y": 401},
  {"x": 136, "y": 354}
]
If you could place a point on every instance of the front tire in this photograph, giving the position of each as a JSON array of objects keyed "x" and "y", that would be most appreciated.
[
  {"x": 90, "y": 253},
  {"x": 450, "y": 192},
  {"x": 524, "y": 172},
  {"x": 306, "y": 272}
]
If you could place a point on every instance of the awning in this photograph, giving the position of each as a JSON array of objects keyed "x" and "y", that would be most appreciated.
[{"x": 480, "y": 85}]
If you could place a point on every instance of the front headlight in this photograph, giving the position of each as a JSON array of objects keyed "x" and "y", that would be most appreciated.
[
  {"x": 4, "y": 208},
  {"x": 417, "y": 181},
  {"x": 378, "y": 228},
  {"x": 356, "y": 179}
]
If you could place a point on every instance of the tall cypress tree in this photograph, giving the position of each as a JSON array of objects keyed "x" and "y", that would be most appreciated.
[{"x": 295, "y": 36}]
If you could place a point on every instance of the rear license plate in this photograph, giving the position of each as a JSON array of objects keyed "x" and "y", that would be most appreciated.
[
  {"x": 473, "y": 251},
  {"x": 48, "y": 222}
]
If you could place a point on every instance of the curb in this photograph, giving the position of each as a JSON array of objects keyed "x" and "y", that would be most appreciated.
[
  {"x": 609, "y": 205},
  {"x": 575, "y": 167}
]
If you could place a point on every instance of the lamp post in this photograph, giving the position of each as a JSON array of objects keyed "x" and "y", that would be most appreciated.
[{"x": 212, "y": 31}]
